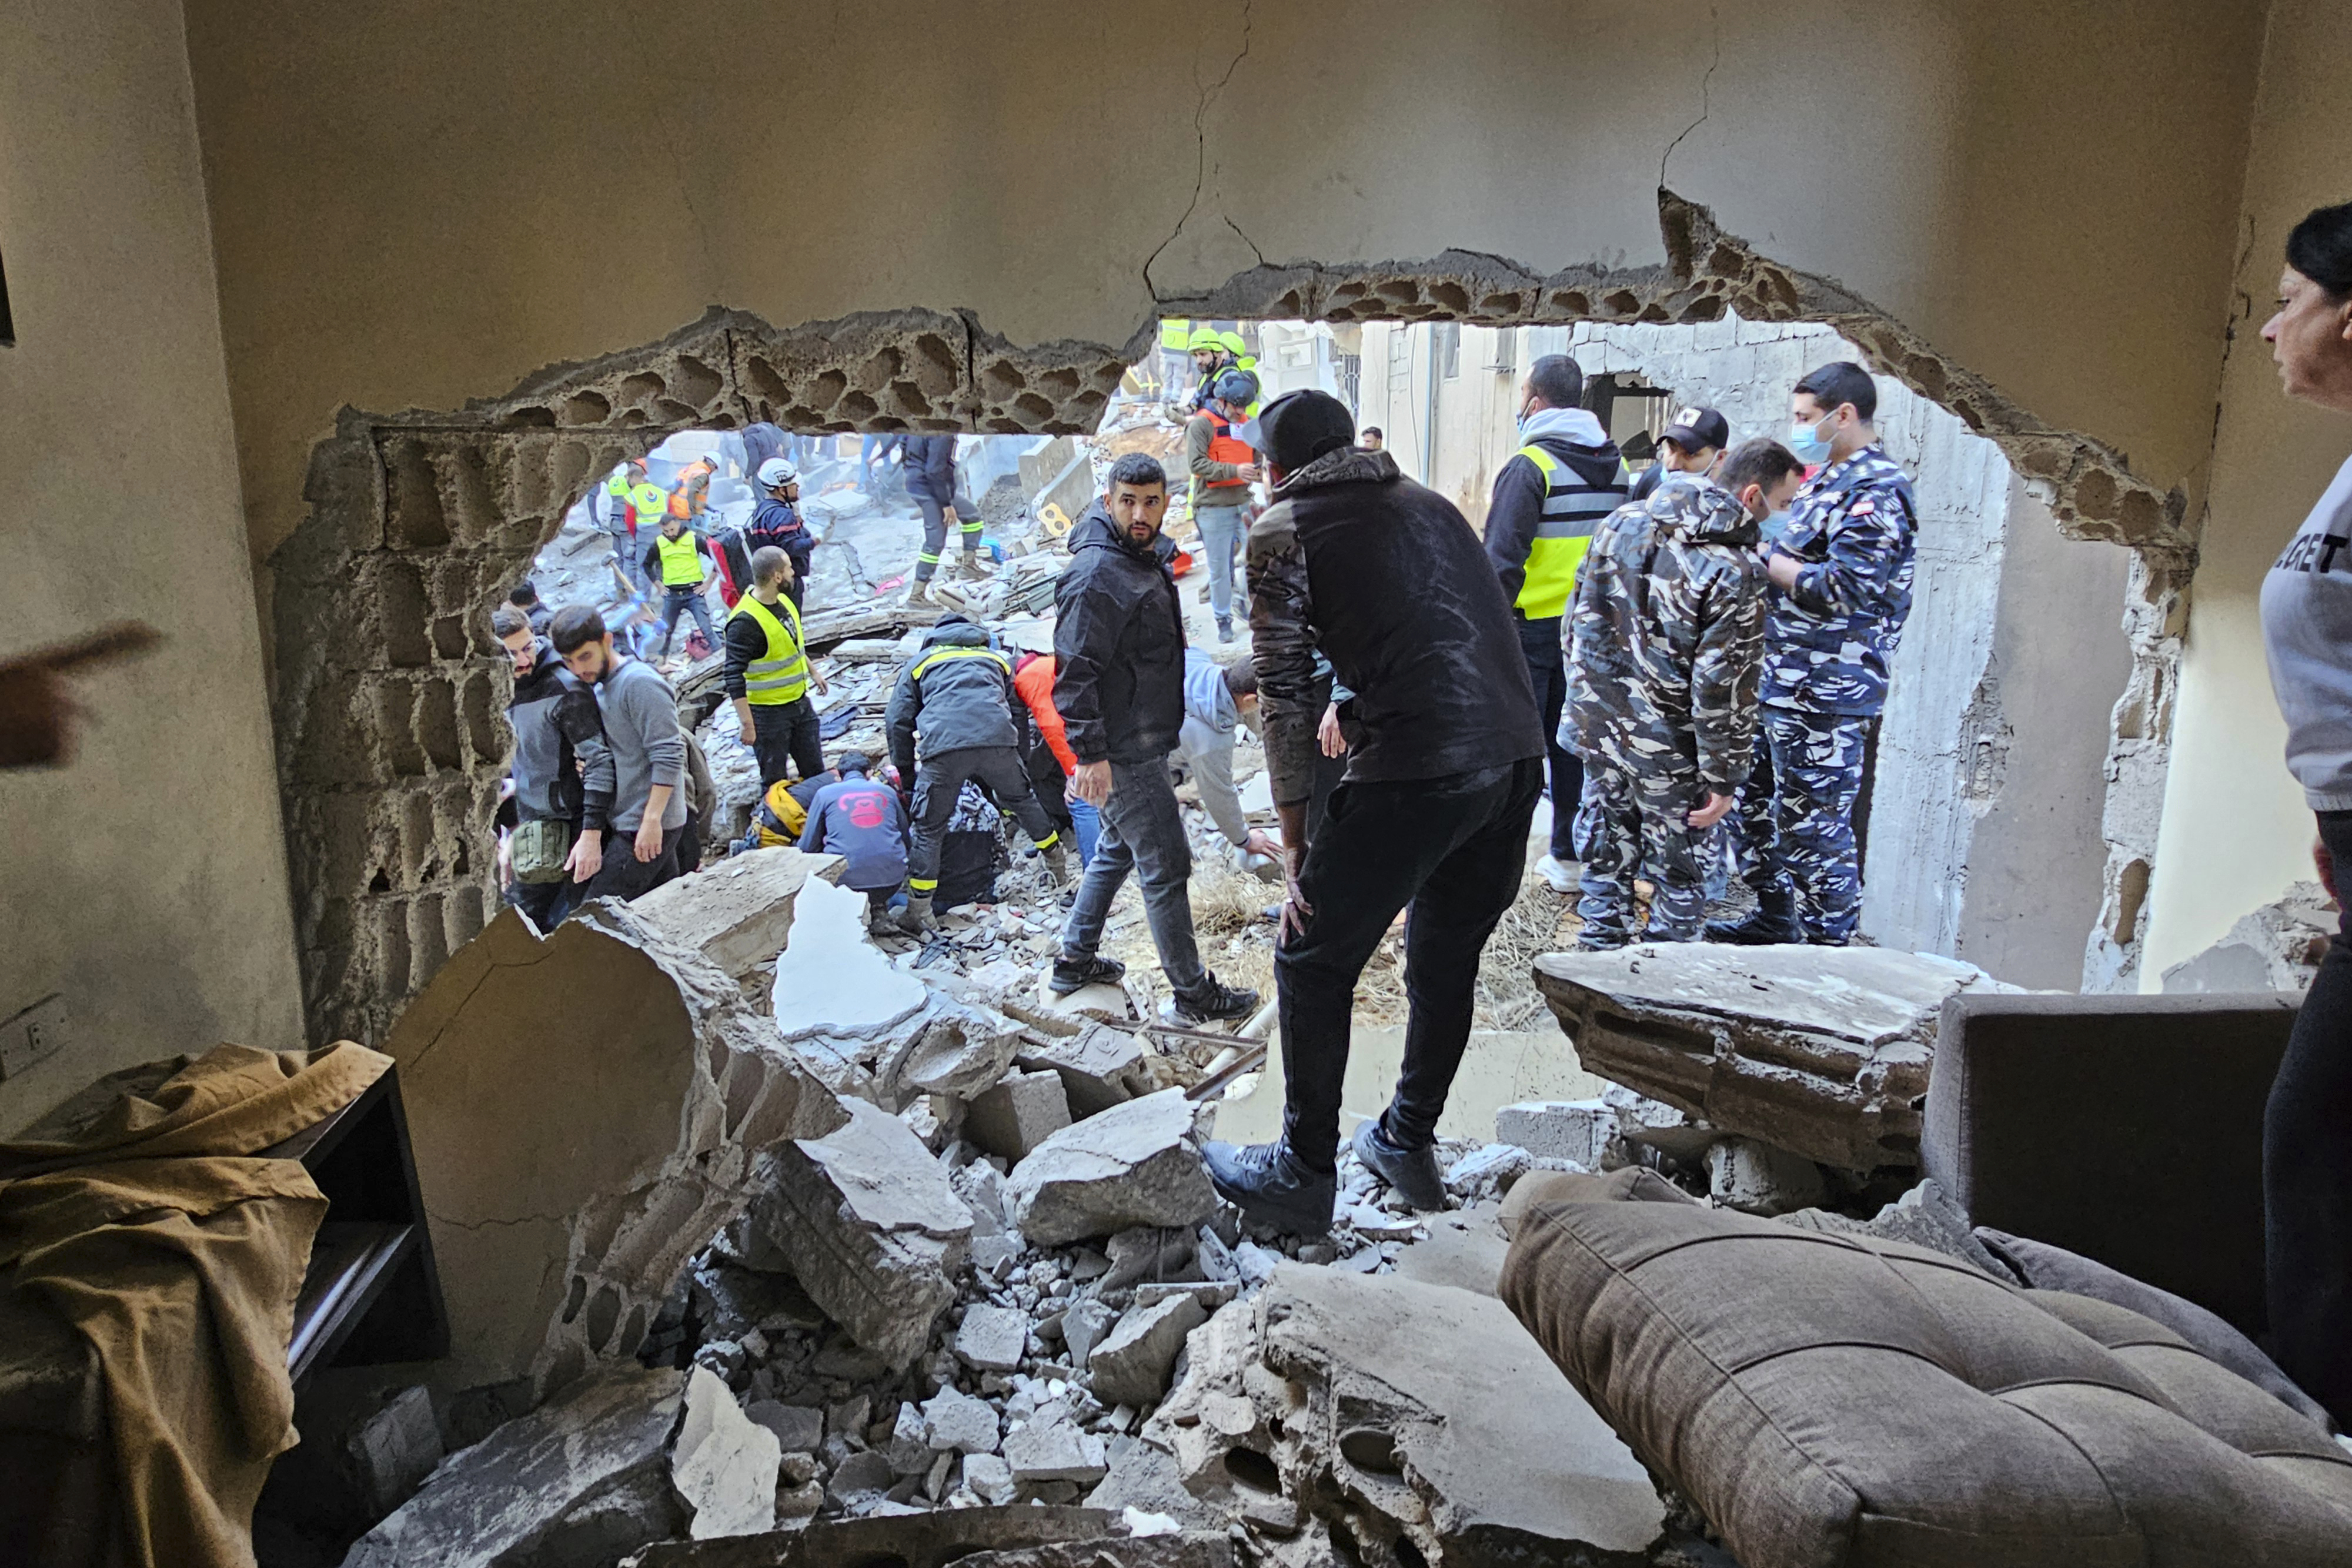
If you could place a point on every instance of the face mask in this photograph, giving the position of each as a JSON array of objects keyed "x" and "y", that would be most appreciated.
[
  {"x": 1774, "y": 524},
  {"x": 1807, "y": 442}
]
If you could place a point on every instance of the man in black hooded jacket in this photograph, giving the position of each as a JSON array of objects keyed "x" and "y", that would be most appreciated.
[
  {"x": 1119, "y": 684},
  {"x": 1444, "y": 766}
]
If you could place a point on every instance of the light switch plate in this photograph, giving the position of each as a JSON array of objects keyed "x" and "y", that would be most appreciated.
[{"x": 37, "y": 1032}]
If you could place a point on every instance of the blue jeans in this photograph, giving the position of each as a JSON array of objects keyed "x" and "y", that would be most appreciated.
[
  {"x": 1085, "y": 826},
  {"x": 1221, "y": 533},
  {"x": 1143, "y": 831}
]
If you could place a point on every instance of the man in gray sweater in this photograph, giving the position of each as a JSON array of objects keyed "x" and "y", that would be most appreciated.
[{"x": 635, "y": 790}]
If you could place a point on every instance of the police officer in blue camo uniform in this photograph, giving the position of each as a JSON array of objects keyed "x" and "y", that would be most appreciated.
[
  {"x": 1665, "y": 652},
  {"x": 1841, "y": 579}
]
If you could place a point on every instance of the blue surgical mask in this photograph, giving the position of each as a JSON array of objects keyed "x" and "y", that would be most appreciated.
[
  {"x": 1807, "y": 442},
  {"x": 1773, "y": 526}
]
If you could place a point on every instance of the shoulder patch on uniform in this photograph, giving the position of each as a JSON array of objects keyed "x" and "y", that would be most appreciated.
[
  {"x": 1862, "y": 506},
  {"x": 1276, "y": 530}
]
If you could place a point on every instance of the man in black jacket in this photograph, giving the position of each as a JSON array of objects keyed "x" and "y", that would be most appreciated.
[
  {"x": 957, "y": 692},
  {"x": 1119, "y": 684},
  {"x": 555, "y": 724},
  {"x": 1445, "y": 766},
  {"x": 1565, "y": 478}
]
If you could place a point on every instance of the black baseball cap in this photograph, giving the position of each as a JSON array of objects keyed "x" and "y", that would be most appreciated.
[
  {"x": 1298, "y": 427},
  {"x": 1696, "y": 427}
]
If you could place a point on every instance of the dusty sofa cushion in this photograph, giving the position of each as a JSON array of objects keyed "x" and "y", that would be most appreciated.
[{"x": 1829, "y": 1401}]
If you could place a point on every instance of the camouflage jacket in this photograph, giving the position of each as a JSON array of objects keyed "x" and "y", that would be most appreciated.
[
  {"x": 1667, "y": 637},
  {"x": 1829, "y": 641}
]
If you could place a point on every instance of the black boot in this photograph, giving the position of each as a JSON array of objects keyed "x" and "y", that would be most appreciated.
[
  {"x": 1413, "y": 1173},
  {"x": 1775, "y": 921},
  {"x": 1271, "y": 1188}
]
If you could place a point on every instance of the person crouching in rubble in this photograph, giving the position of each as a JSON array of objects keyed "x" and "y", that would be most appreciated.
[
  {"x": 1666, "y": 644},
  {"x": 1119, "y": 683},
  {"x": 636, "y": 784},
  {"x": 956, "y": 693},
  {"x": 1217, "y": 699},
  {"x": 861, "y": 820},
  {"x": 1444, "y": 768}
]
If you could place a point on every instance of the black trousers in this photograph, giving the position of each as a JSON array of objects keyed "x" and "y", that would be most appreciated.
[
  {"x": 786, "y": 737},
  {"x": 1548, "y": 668},
  {"x": 1451, "y": 850},
  {"x": 2307, "y": 1171},
  {"x": 938, "y": 779},
  {"x": 623, "y": 875}
]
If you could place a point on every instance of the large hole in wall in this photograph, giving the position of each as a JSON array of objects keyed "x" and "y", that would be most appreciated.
[{"x": 389, "y": 688}]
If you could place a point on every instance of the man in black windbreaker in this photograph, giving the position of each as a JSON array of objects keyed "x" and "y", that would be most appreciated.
[
  {"x": 1119, "y": 684},
  {"x": 1445, "y": 766}
]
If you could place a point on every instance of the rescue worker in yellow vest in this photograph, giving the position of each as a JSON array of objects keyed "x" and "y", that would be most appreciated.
[
  {"x": 635, "y": 503},
  {"x": 1223, "y": 467},
  {"x": 957, "y": 694},
  {"x": 1210, "y": 358},
  {"x": 1175, "y": 340},
  {"x": 768, "y": 674},
  {"x": 674, "y": 560},
  {"x": 1565, "y": 479}
]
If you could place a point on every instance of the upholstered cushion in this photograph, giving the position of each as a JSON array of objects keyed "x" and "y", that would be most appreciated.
[{"x": 1844, "y": 1403}]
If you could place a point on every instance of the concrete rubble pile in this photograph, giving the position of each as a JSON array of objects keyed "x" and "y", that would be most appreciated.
[{"x": 2276, "y": 948}]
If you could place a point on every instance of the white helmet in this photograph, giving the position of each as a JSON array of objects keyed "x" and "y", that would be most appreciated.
[{"x": 775, "y": 471}]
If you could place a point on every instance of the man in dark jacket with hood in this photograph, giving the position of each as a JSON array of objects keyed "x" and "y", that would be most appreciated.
[
  {"x": 1119, "y": 684},
  {"x": 1565, "y": 478},
  {"x": 1444, "y": 766},
  {"x": 555, "y": 724},
  {"x": 957, "y": 695}
]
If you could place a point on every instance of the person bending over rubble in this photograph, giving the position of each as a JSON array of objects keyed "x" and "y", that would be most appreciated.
[
  {"x": 956, "y": 695},
  {"x": 1446, "y": 764},
  {"x": 635, "y": 786},
  {"x": 1667, "y": 643},
  {"x": 861, "y": 820},
  {"x": 1047, "y": 746},
  {"x": 1119, "y": 683},
  {"x": 768, "y": 672},
  {"x": 1217, "y": 697}
]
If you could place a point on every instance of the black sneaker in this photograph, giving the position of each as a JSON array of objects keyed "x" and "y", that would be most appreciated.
[
  {"x": 1211, "y": 1003},
  {"x": 1271, "y": 1188},
  {"x": 1774, "y": 922},
  {"x": 1076, "y": 974},
  {"x": 1413, "y": 1173}
]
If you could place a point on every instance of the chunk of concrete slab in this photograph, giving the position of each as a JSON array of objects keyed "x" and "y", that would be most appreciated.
[
  {"x": 957, "y": 1422},
  {"x": 1823, "y": 1052},
  {"x": 723, "y": 1463},
  {"x": 992, "y": 1339},
  {"x": 1757, "y": 1178},
  {"x": 1052, "y": 1448},
  {"x": 1464, "y": 1248},
  {"x": 994, "y": 1537},
  {"x": 1100, "y": 1068},
  {"x": 1132, "y": 1366},
  {"x": 2276, "y": 948},
  {"x": 799, "y": 1428},
  {"x": 392, "y": 1451},
  {"x": 1485, "y": 1454},
  {"x": 1085, "y": 1322},
  {"x": 1101, "y": 1003},
  {"x": 870, "y": 1225},
  {"x": 1020, "y": 1112},
  {"x": 1579, "y": 1130},
  {"x": 831, "y": 980},
  {"x": 738, "y": 912},
  {"x": 961, "y": 1052},
  {"x": 1136, "y": 1164},
  {"x": 582, "y": 1479},
  {"x": 586, "y": 1110},
  {"x": 989, "y": 1478}
]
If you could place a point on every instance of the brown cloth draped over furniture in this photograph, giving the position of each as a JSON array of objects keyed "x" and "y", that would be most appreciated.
[{"x": 137, "y": 1230}]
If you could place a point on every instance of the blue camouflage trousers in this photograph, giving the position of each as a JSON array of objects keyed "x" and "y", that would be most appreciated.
[
  {"x": 1800, "y": 834},
  {"x": 1628, "y": 820}
]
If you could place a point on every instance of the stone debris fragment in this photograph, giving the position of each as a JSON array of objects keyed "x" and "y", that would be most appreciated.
[
  {"x": 994, "y": 1339},
  {"x": 961, "y": 1424},
  {"x": 1136, "y": 1164},
  {"x": 1102, "y": 1003},
  {"x": 1052, "y": 1448},
  {"x": 1757, "y": 1178},
  {"x": 1133, "y": 1364},
  {"x": 723, "y": 1464},
  {"x": 799, "y": 1428},
  {"x": 831, "y": 980},
  {"x": 739, "y": 912},
  {"x": 1822, "y": 1051},
  {"x": 1577, "y": 1130},
  {"x": 1100, "y": 1068},
  {"x": 872, "y": 1228},
  {"x": 1084, "y": 1326},
  {"x": 989, "y": 1478},
  {"x": 1020, "y": 1112},
  {"x": 2275, "y": 948},
  {"x": 959, "y": 1052},
  {"x": 392, "y": 1451}
]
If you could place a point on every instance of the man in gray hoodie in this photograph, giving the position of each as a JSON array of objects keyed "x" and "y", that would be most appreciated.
[{"x": 637, "y": 789}]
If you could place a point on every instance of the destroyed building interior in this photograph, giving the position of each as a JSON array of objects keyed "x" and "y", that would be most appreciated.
[{"x": 372, "y": 1195}]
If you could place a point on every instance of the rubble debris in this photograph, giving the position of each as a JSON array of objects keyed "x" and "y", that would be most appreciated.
[
  {"x": 1133, "y": 1365},
  {"x": 957, "y": 1423},
  {"x": 1084, "y": 1326},
  {"x": 1577, "y": 1130},
  {"x": 586, "y": 1111},
  {"x": 799, "y": 1428},
  {"x": 960, "y": 1053},
  {"x": 1100, "y": 1066},
  {"x": 392, "y": 1451},
  {"x": 1051, "y": 1447},
  {"x": 1757, "y": 1178},
  {"x": 1645, "y": 1122},
  {"x": 831, "y": 980},
  {"x": 1923, "y": 1217},
  {"x": 739, "y": 910},
  {"x": 871, "y": 1227},
  {"x": 2276, "y": 948},
  {"x": 1023, "y": 1536},
  {"x": 723, "y": 1464},
  {"x": 1822, "y": 1051},
  {"x": 574, "y": 1483},
  {"x": 994, "y": 1339},
  {"x": 1102, "y": 1002},
  {"x": 1136, "y": 1164},
  {"x": 1020, "y": 1112}
]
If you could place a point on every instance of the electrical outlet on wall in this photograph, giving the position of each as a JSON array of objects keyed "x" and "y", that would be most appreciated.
[{"x": 37, "y": 1032}]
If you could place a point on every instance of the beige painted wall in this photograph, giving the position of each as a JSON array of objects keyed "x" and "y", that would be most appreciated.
[
  {"x": 2235, "y": 829},
  {"x": 146, "y": 882},
  {"x": 417, "y": 203}
]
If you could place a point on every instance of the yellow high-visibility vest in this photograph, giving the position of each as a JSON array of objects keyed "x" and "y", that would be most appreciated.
[
  {"x": 1572, "y": 509},
  {"x": 940, "y": 656},
  {"x": 681, "y": 559},
  {"x": 651, "y": 502},
  {"x": 1175, "y": 332},
  {"x": 782, "y": 674}
]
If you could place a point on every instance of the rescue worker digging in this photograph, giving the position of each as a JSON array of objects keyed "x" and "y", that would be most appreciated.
[
  {"x": 955, "y": 701},
  {"x": 768, "y": 674}
]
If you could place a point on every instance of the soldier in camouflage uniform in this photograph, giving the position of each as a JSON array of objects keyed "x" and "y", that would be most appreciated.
[
  {"x": 1666, "y": 646},
  {"x": 1842, "y": 580}
]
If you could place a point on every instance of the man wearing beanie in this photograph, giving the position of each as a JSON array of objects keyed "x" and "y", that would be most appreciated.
[{"x": 1444, "y": 766}]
